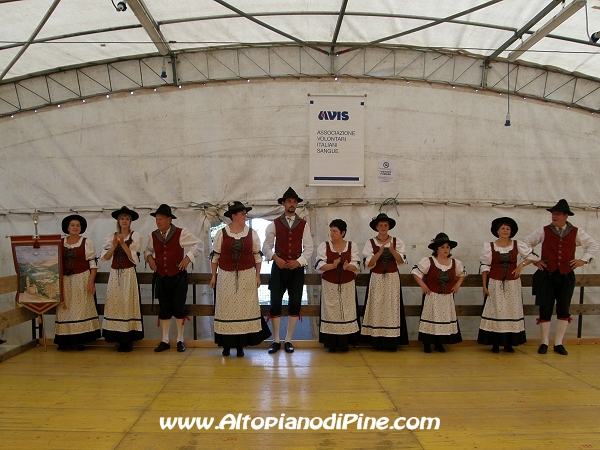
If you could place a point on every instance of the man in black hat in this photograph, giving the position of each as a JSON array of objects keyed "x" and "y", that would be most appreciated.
[
  {"x": 288, "y": 243},
  {"x": 558, "y": 262},
  {"x": 166, "y": 257}
]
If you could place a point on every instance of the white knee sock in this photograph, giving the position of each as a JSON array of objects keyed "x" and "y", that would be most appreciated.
[
  {"x": 545, "y": 329},
  {"x": 179, "y": 323},
  {"x": 290, "y": 331},
  {"x": 276, "y": 322},
  {"x": 561, "y": 328},
  {"x": 165, "y": 330}
]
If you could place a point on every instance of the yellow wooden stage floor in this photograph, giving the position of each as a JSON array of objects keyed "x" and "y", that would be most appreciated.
[{"x": 102, "y": 399}]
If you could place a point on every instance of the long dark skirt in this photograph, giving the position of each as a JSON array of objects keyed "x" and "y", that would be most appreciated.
[
  {"x": 426, "y": 338},
  {"x": 506, "y": 320},
  {"x": 440, "y": 339},
  {"x": 126, "y": 337},
  {"x": 73, "y": 340},
  {"x": 243, "y": 340},
  {"x": 340, "y": 342},
  {"x": 122, "y": 337},
  {"x": 501, "y": 339},
  {"x": 387, "y": 343}
]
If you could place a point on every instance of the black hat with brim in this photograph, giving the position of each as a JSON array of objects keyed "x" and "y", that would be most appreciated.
[
  {"x": 125, "y": 210},
  {"x": 235, "y": 207},
  {"x": 290, "y": 193},
  {"x": 496, "y": 223},
  {"x": 165, "y": 210},
  {"x": 441, "y": 239},
  {"x": 562, "y": 206},
  {"x": 67, "y": 220},
  {"x": 383, "y": 217}
]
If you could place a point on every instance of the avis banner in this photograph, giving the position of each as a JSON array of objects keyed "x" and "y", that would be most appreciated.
[{"x": 337, "y": 140}]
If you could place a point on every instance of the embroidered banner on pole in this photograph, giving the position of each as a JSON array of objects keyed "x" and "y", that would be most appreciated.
[
  {"x": 337, "y": 142},
  {"x": 38, "y": 264}
]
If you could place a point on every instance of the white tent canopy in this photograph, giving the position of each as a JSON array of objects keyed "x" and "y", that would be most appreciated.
[{"x": 44, "y": 36}]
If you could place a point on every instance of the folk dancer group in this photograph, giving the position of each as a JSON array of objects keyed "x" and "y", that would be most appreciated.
[
  {"x": 236, "y": 260},
  {"x": 77, "y": 319}
]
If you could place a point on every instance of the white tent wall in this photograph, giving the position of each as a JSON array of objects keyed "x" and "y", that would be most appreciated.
[{"x": 453, "y": 159}]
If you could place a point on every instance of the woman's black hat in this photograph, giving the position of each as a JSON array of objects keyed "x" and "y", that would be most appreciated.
[
  {"x": 441, "y": 239},
  {"x": 67, "y": 220},
  {"x": 383, "y": 217},
  {"x": 235, "y": 207},
  {"x": 125, "y": 210},
  {"x": 496, "y": 223}
]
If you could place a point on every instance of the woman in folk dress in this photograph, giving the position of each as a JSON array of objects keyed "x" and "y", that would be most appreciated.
[
  {"x": 338, "y": 262},
  {"x": 502, "y": 320},
  {"x": 440, "y": 277},
  {"x": 77, "y": 317},
  {"x": 384, "y": 324},
  {"x": 236, "y": 254},
  {"x": 122, "y": 312}
]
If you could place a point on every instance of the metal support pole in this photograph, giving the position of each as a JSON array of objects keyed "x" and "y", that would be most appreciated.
[
  {"x": 195, "y": 318},
  {"x": 580, "y": 321},
  {"x": 174, "y": 69},
  {"x": 43, "y": 330}
]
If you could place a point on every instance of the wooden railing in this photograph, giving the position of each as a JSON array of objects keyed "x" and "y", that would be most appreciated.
[{"x": 17, "y": 316}]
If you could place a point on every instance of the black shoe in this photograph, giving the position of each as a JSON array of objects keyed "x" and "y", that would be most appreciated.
[
  {"x": 226, "y": 351},
  {"x": 542, "y": 349},
  {"x": 80, "y": 347},
  {"x": 121, "y": 348},
  {"x": 331, "y": 350},
  {"x": 274, "y": 348},
  {"x": 509, "y": 349},
  {"x": 561, "y": 350},
  {"x": 440, "y": 348},
  {"x": 344, "y": 350},
  {"x": 62, "y": 348},
  {"x": 240, "y": 352},
  {"x": 180, "y": 347},
  {"x": 161, "y": 347},
  {"x": 288, "y": 347},
  {"x": 427, "y": 348},
  {"x": 495, "y": 349},
  {"x": 127, "y": 347}
]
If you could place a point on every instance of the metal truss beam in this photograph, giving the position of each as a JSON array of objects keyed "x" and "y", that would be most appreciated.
[
  {"x": 192, "y": 48},
  {"x": 524, "y": 29},
  {"x": 31, "y": 38},
  {"x": 150, "y": 26},
  {"x": 267, "y": 26},
  {"x": 267, "y": 63},
  {"x": 338, "y": 26},
  {"x": 545, "y": 29},
  {"x": 423, "y": 27}
]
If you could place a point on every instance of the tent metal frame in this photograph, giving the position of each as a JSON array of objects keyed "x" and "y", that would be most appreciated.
[
  {"x": 272, "y": 62},
  {"x": 163, "y": 46}
]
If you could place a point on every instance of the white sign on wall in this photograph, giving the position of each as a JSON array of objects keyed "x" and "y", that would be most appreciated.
[
  {"x": 337, "y": 143},
  {"x": 385, "y": 173}
]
